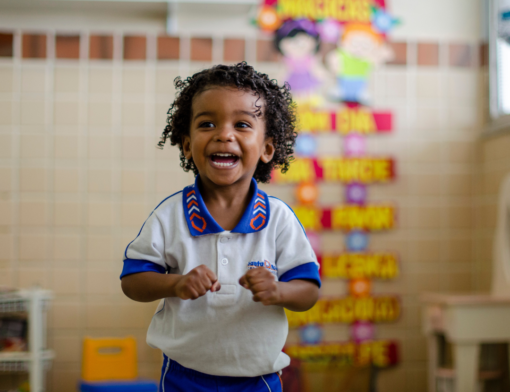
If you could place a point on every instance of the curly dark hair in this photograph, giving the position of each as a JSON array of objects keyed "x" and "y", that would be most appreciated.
[{"x": 279, "y": 112}]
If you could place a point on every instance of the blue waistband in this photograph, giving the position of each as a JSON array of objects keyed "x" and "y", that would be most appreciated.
[{"x": 176, "y": 367}]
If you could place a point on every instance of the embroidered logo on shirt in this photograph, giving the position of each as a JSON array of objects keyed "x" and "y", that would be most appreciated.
[
  {"x": 266, "y": 264},
  {"x": 192, "y": 207},
  {"x": 260, "y": 208}
]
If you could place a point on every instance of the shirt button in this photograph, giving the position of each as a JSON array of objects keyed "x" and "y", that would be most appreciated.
[
  {"x": 224, "y": 261},
  {"x": 224, "y": 239}
]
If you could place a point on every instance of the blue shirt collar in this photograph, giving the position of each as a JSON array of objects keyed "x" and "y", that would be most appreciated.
[{"x": 200, "y": 222}]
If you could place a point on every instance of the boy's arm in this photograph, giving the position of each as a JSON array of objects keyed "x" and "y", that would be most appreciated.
[
  {"x": 297, "y": 295},
  {"x": 151, "y": 286}
]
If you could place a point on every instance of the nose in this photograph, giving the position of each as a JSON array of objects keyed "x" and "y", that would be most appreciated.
[{"x": 224, "y": 134}]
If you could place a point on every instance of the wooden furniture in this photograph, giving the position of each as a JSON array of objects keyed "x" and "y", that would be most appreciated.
[{"x": 466, "y": 321}]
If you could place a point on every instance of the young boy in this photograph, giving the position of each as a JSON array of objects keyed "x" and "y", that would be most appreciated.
[{"x": 225, "y": 258}]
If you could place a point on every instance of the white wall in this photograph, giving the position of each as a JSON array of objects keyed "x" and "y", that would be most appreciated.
[{"x": 448, "y": 20}]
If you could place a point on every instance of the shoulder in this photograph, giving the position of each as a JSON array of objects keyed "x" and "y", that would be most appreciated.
[
  {"x": 281, "y": 209},
  {"x": 169, "y": 204}
]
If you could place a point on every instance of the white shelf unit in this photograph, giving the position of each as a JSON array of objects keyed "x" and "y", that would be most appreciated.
[{"x": 34, "y": 304}]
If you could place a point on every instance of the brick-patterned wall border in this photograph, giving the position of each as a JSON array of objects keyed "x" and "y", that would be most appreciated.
[{"x": 135, "y": 48}]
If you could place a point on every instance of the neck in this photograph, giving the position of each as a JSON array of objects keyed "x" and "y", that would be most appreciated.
[{"x": 225, "y": 196}]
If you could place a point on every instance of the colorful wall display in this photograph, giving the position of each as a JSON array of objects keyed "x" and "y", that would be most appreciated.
[{"x": 331, "y": 90}]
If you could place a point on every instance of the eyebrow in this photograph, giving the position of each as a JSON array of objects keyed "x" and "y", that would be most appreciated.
[{"x": 253, "y": 115}]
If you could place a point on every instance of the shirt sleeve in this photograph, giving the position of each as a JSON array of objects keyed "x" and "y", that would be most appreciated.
[
  {"x": 146, "y": 252},
  {"x": 294, "y": 254}
]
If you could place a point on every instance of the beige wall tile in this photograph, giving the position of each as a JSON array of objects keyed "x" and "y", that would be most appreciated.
[
  {"x": 458, "y": 184},
  {"x": 66, "y": 147},
  {"x": 100, "y": 147},
  {"x": 416, "y": 378},
  {"x": 100, "y": 248},
  {"x": 100, "y": 214},
  {"x": 6, "y": 113},
  {"x": 124, "y": 315},
  {"x": 133, "y": 147},
  {"x": 101, "y": 81},
  {"x": 33, "y": 112},
  {"x": 66, "y": 180},
  {"x": 100, "y": 114},
  {"x": 6, "y": 146},
  {"x": 133, "y": 114},
  {"x": 100, "y": 180},
  {"x": 424, "y": 250},
  {"x": 33, "y": 146},
  {"x": 33, "y": 213},
  {"x": 463, "y": 85},
  {"x": 67, "y": 80},
  {"x": 496, "y": 148},
  {"x": 32, "y": 179},
  {"x": 460, "y": 250},
  {"x": 67, "y": 113},
  {"x": 98, "y": 315},
  {"x": 461, "y": 282},
  {"x": 414, "y": 349},
  {"x": 66, "y": 281},
  {"x": 396, "y": 84},
  {"x": 64, "y": 380},
  {"x": 66, "y": 315},
  {"x": 67, "y": 348},
  {"x": 31, "y": 277},
  {"x": 67, "y": 214},
  {"x": 421, "y": 151},
  {"x": 160, "y": 117},
  {"x": 7, "y": 209},
  {"x": 460, "y": 217},
  {"x": 133, "y": 181},
  {"x": 6, "y": 179},
  {"x": 428, "y": 118},
  {"x": 424, "y": 218},
  {"x": 6, "y": 277},
  {"x": 133, "y": 81},
  {"x": 133, "y": 214},
  {"x": 6, "y": 246},
  {"x": 425, "y": 185},
  {"x": 101, "y": 281},
  {"x": 6, "y": 79},
  {"x": 464, "y": 117},
  {"x": 165, "y": 81},
  {"x": 391, "y": 380},
  {"x": 66, "y": 247},
  {"x": 428, "y": 85},
  {"x": 461, "y": 152},
  {"x": 33, "y": 81},
  {"x": 32, "y": 247}
]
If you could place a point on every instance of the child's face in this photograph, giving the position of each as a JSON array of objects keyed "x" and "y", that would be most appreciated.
[
  {"x": 300, "y": 45},
  {"x": 227, "y": 139}
]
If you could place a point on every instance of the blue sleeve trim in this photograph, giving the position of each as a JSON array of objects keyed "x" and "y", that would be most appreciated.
[
  {"x": 308, "y": 271},
  {"x": 132, "y": 266}
]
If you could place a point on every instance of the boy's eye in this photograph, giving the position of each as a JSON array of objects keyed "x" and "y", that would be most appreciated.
[
  {"x": 206, "y": 124},
  {"x": 242, "y": 125}
]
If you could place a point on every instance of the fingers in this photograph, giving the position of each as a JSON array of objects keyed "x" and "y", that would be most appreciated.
[
  {"x": 197, "y": 282},
  {"x": 262, "y": 284},
  {"x": 216, "y": 286}
]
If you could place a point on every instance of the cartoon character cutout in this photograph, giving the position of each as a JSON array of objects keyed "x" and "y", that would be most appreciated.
[
  {"x": 359, "y": 50},
  {"x": 299, "y": 42}
]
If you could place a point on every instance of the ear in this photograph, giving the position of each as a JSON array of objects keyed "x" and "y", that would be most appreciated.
[
  {"x": 186, "y": 147},
  {"x": 268, "y": 152}
]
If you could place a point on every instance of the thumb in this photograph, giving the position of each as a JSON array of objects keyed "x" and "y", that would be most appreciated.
[
  {"x": 243, "y": 282},
  {"x": 216, "y": 286}
]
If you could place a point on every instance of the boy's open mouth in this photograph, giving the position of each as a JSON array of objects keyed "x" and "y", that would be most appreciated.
[{"x": 224, "y": 159}]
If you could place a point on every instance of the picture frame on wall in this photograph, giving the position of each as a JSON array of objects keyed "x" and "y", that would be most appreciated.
[{"x": 498, "y": 16}]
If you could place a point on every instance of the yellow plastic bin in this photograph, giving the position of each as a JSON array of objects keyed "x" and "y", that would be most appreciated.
[{"x": 109, "y": 364}]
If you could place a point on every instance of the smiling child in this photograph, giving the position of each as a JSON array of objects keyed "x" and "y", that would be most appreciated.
[{"x": 224, "y": 258}]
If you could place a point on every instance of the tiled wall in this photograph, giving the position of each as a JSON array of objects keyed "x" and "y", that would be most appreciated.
[{"x": 80, "y": 116}]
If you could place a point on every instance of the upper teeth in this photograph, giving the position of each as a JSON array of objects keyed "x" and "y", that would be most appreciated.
[{"x": 224, "y": 154}]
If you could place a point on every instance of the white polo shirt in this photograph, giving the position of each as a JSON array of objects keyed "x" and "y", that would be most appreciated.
[{"x": 223, "y": 333}]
